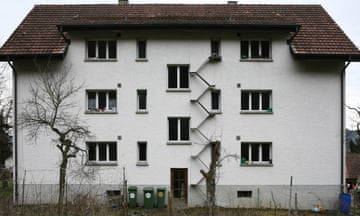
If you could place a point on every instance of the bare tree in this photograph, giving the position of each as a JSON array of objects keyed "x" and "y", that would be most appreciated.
[
  {"x": 211, "y": 176},
  {"x": 50, "y": 109},
  {"x": 357, "y": 111}
]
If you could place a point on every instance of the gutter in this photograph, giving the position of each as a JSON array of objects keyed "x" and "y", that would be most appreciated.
[
  {"x": 342, "y": 110},
  {"x": 15, "y": 147}
]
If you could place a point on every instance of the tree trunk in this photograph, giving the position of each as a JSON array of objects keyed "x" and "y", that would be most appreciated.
[{"x": 62, "y": 182}]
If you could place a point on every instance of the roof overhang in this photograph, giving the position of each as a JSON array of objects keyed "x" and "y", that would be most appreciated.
[
  {"x": 178, "y": 26},
  {"x": 11, "y": 57},
  {"x": 343, "y": 57}
]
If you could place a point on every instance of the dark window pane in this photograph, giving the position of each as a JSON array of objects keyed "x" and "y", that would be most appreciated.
[
  {"x": 244, "y": 49},
  {"x": 185, "y": 128},
  {"x": 173, "y": 129},
  {"x": 112, "y": 49},
  {"x": 255, "y": 152},
  {"x": 91, "y": 46},
  {"x": 215, "y": 47},
  {"x": 112, "y": 100},
  {"x": 255, "y": 49},
  {"x": 265, "y": 152},
  {"x": 255, "y": 99},
  {"x": 245, "y": 151},
  {"x": 102, "y": 49},
  {"x": 102, "y": 100},
  {"x": 265, "y": 49},
  {"x": 142, "y": 99},
  {"x": 91, "y": 101},
  {"x": 184, "y": 77},
  {"x": 245, "y": 101},
  {"x": 102, "y": 152},
  {"x": 265, "y": 100},
  {"x": 112, "y": 152},
  {"x": 172, "y": 77},
  {"x": 142, "y": 49},
  {"x": 92, "y": 151},
  {"x": 142, "y": 151},
  {"x": 215, "y": 100}
]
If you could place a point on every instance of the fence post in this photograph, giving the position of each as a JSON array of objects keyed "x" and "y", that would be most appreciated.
[{"x": 291, "y": 182}]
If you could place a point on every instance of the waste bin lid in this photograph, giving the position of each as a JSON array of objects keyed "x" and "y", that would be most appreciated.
[
  {"x": 161, "y": 189},
  {"x": 148, "y": 189},
  {"x": 132, "y": 188}
]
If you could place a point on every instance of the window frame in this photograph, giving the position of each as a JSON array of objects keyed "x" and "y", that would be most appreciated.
[
  {"x": 218, "y": 92},
  {"x": 97, "y": 161},
  {"x": 215, "y": 47},
  {"x": 179, "y": 131},
  {"x": 141, "y": 43},
  {"x": 96, "y": 109},
  {"x": 97, "y": 50},
  {"x": 251, "y": 110},
  {"x": 140, "y": 152},
  {"x": 179, "y": 78},
  {"x": 259, "y": 162},
  {"x": 139, "y": 93},
  {"x": 249, "y": 54}
]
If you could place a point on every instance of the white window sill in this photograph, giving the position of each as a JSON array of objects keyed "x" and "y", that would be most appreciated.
[
  {"x": 141, "y": 60},
  {"x": 99, "y": 112},
  {"x": 264, "y": 164},
  {"x": 256, "y": 112},
  {"x": 100, "y": 60},
  {"x": 178, "y": 90},
  {"x": 215, "y": 112},
  {"x": 102, "y": 163},
  {"x": 142, "y": 163},
  {"x": 142, "y": 112},
  {"x": 179, "y": 142},
  {"x": 256, "y": 60}
]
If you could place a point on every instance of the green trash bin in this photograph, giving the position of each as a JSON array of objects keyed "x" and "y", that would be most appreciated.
[
  {"x": 132, "y": 196},
  {"x": 161, "y": 197},
  {"x": 148, "y": 197}
]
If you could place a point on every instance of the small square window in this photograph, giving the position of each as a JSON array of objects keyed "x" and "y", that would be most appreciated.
[{"x": 244, "y": 194}]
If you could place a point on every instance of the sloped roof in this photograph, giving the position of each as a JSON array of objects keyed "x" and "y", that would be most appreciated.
[{"x": 318, "y": 35}]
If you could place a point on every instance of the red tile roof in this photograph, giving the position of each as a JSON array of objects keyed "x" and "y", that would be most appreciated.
[{"x": 318, "y": 35}]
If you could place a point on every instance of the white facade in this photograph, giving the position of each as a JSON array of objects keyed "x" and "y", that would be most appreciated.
[{"x": 303, "y": 127}]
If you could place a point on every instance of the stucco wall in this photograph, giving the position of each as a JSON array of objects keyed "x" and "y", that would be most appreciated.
[{"x": 304, "y": 128}]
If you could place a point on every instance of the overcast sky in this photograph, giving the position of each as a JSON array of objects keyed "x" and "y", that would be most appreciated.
[{"x": 345, "y": 12}]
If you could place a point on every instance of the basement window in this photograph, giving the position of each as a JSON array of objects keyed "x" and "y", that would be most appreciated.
[{"x": 244, "y": 194}]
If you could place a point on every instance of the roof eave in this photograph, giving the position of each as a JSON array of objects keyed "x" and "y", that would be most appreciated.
[
  {"x": 167, "y": 26},
  {"x": 344, "y": 57},
  {"x": 12, "y": 57}
]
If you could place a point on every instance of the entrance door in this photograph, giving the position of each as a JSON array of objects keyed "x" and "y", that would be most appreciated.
[{"x": 179, "y": 184}]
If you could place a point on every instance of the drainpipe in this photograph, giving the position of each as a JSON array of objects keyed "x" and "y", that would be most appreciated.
[
  {"x": 15, "y": 147},
  {"x": 342, "y": 149}
]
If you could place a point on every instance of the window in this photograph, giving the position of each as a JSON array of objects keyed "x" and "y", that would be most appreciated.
[
  {"x": 215, "y": 100},
  {"x": 101, "y": 49},
  {"x": 256, "y": 153},
  {"x": 179, "y": 129},
  {"x": 142, "y": 154},
  {"x": 178, "y": 77},
  {"x": 215, "y": 48},
  {"x": 101, "y": 101},
  {"x": 259, "y": 101},
  {"x": 255, "y": 49},
  {"x": 141, "y": 101},
  {"x": 141, "y": 49},
  {"x": 102, "y": 151},
  {"x": 244, "y": 194}
]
